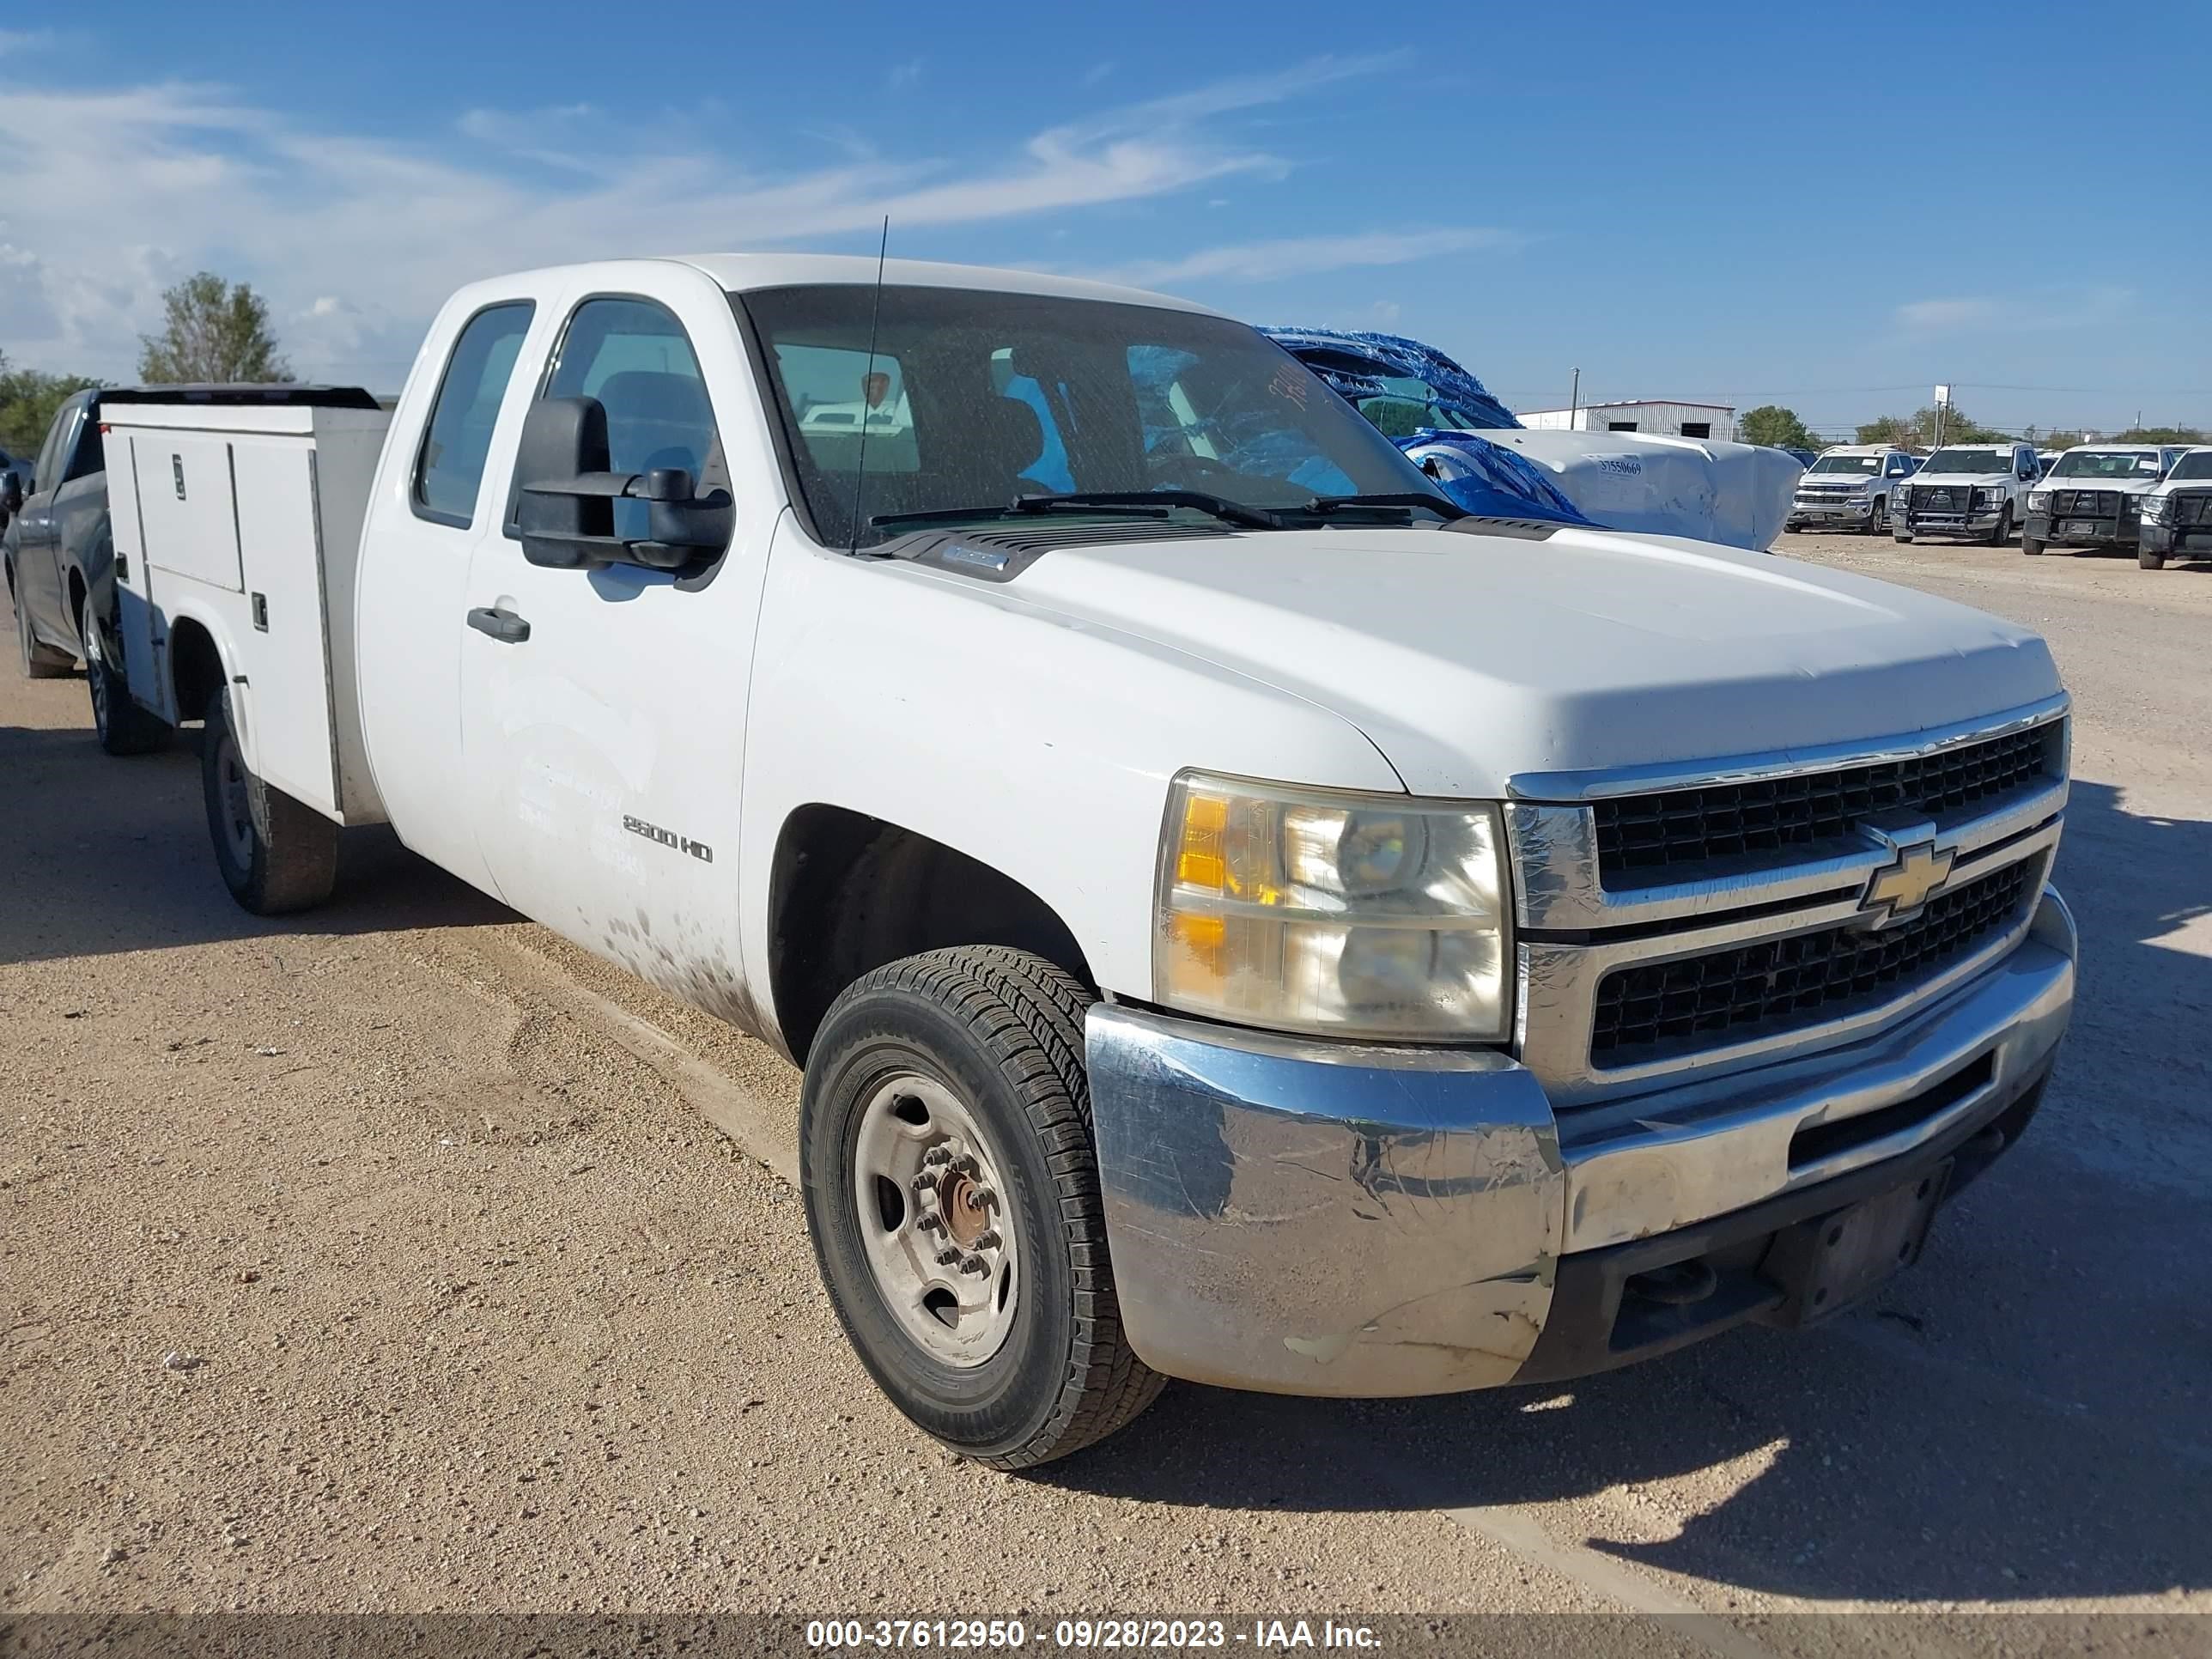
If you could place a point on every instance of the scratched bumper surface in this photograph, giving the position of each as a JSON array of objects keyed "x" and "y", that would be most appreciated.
[{"x": 1320, "y": 1219}]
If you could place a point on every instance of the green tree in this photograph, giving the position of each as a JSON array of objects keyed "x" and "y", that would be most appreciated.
[
  {"x": 212, "y": 332},
  {"x": 2058, "y": 440},
  {"x": 28, "y": 398},
  {"x": 1918, "y": 429},
  {"x": 1771, "y": 423},
  {"x": 2161, "y": 434}
]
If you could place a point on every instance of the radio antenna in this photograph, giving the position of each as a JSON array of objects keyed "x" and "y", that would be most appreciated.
[{"x": 868, "y": 384}]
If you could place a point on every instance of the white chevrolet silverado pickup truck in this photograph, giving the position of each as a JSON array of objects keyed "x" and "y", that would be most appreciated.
[{"x": 1242, "y": 917}]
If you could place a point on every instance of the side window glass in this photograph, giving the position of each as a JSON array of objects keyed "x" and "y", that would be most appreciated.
[
  {"x": 458, "y": 437},
  {"x": 91, "y": 456},
  {"x": 51, "y": 452},
  {"x": 634, "y": 356}
]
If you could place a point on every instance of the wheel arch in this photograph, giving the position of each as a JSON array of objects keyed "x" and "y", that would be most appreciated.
[
  {"x": 197, "y": 665},
  {"x": 849, "y": 892}
]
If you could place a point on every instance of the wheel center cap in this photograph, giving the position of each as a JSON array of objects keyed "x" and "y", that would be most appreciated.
[{"x": 965, "y": 1218}]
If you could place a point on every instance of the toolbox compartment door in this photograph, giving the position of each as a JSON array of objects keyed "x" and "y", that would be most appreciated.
[
  {"x": 187, "y": 503},
  {"x": 283, "y": 645}
]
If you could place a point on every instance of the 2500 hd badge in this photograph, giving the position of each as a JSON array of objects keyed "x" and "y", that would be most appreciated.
[{"x": 698, "y": 850}]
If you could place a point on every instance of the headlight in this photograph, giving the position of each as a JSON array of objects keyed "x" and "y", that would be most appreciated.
[
  {"x": 1861, "y": 489},
  {"x": 2039, "y": 501},
  {"x": 2154, "y": 509},
  {"x": 1349, "y": 915}
]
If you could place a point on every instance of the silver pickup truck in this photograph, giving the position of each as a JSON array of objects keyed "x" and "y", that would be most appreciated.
[{"x": 1851, "y": 487}]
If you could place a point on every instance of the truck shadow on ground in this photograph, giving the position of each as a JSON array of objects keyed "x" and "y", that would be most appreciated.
[
  {"x": 99, "y": 854},
  {"x": 2024, "y": 1415}
]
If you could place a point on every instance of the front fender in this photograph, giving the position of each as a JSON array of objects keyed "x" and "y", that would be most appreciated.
[{"x": 1038, "y": 744}]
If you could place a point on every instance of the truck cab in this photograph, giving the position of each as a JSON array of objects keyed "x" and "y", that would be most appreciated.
[
  {"x": 1962, "y": 490},
  {"x": 1851, "y": 487},
  {"x": 1241, "y": 915},
  {"x": 2093, "y": 497}
]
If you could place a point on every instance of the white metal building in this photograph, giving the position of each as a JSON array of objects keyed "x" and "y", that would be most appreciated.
[{"x": 1662, "y": 417}]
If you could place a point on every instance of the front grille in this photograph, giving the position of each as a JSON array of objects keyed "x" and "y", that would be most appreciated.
[
  {"x": 1640, "y": 835},
  {"x": 2085, "y": 503},
  {"x": 1653, "y": 1010},
  {"x": 1938, "y": 498},
  {"x": 2191, "y": 508}
]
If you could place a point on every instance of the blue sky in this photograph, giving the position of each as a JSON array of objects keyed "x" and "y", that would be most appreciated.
[{"x": 1828, "y": 207}]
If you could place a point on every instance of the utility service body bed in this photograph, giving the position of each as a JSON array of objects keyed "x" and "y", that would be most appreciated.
[{"x": 238, "y": 511}]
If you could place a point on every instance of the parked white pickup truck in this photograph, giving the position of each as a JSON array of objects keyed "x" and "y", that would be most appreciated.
[
  {"x": 1242, "y": 917},
  {"x": 1978, "y": 490},
  {"x": 1853, "y": 486}
]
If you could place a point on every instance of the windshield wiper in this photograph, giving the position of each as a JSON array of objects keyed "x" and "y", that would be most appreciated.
[
  {"x": 1114, "y": 503},
  {"x": 1152, "y": 503},
  {"x": 1442, "y": 507}
]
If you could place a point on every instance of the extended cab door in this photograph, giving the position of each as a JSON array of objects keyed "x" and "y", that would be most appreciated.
[
  {"x": 435, "y": 501},
  {"x": 604, "y": 710}
]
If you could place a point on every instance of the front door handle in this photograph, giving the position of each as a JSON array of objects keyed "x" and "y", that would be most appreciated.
[{"x": 502, "y": 625}]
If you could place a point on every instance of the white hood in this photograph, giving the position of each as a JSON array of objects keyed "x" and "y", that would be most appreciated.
[
  {"x": 2140, "y": 483},
  {"x": 1467, "y": 659},
  {"x": 1970, "y": 480}
]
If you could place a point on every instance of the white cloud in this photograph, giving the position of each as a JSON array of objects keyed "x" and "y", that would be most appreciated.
[
  {"x": 1303, "y": 256},
  {"x": 114, "y": 193},
  {"x": 2066, "y": 308},
  {"x": 906, "y": 74}
]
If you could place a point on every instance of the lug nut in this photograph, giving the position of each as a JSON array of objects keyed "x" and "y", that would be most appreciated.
[
  {"x": 963, "y": 1164},
  {"x": 937, "y": 1157},
  {"x": 975, "y": 1264},
  {"x": 983, "y": 1199},
  {"x": 946, "y": 1258},
  {"x": 923, "y": 1185},
  {"x": 988, "y": 1239},
  {"x": 930, "y": 1224}
]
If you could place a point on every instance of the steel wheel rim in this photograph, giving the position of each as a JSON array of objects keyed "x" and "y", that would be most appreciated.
[
  {"x": 237, "y": 802},
  {"x": 93, "y": 663},
  {"x": 926, "y": 1184}
]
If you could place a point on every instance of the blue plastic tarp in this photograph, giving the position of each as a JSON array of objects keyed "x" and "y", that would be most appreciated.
[{"x": 1493, "y": 480}]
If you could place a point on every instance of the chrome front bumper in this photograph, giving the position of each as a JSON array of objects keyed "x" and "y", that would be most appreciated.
[
  {"x": 1312, "y": 1217},
  {"x": 1845, "y": 511}
]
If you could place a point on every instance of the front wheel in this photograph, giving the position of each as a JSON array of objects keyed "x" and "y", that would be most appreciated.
[
  {"x": 275, "y": 854},
  {"x": 952, "y": 1194},
  {"x": 1878, "y": 516},
  {"x": 2029, "y": 545},
  {"x": 122, "y": 726},
  {"x": 2002, "y": 532},
  {"x": 2149, "y": 561}
]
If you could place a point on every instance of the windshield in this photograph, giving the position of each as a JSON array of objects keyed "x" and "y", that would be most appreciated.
[
  {"x": 2197, "y": 464},
  {"x": 975, "y": 398},
  {"x": 2106, "y": 464},
  {"x": 1857, "y": 466},
  {"x": 1969, "y": 461}
]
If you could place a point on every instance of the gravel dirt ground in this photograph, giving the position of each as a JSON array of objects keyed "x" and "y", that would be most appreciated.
[{"x": 394, "y": 1257}]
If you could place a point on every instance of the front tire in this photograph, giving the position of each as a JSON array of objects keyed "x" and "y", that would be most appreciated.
[
  {"x": 275, "y": 854},
  {"x": 122, "y": 726},
  {"x": 2149, "y": 561},
  {"x": 2032, "y": 547},
  {"x": 1878, "y": 517},
  {"x": 2002, "y": 532},
  {"x": 40, "y": 662},
  {"x": 952, "y": 1194}
]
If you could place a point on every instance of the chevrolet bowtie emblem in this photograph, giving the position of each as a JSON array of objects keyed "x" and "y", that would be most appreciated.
[{"x": 1916, "y": 871}]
